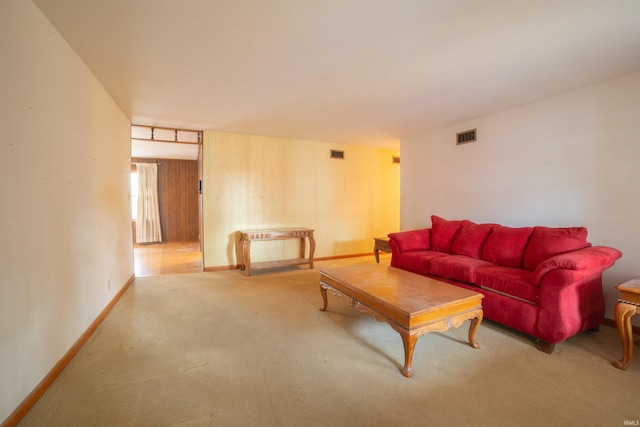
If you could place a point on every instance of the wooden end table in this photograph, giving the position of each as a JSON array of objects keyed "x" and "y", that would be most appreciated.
[
  {"x": 380, "y": 244},
  {"x": 628, "y": 304},
  {"x": 411, "y": 304}
]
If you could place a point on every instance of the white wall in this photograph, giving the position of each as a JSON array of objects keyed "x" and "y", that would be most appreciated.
[
  {"x": 570, "y": 160},
  {"x": 65, "y": 229}
]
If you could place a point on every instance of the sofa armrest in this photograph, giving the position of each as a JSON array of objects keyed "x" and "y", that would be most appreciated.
[
  {"x": 569, "y": 302},
  {"x": 413, "y": 240},
  {"x": 593, "y": 259}
]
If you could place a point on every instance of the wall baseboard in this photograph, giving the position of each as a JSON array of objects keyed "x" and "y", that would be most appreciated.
[
  {"x": 42, "y": 387},
  {"x": 237, "y": 266},
  {"x": 328, "y": 258}
]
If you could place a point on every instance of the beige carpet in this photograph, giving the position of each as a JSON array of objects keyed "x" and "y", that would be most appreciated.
[{"x": 222, "y": 349}]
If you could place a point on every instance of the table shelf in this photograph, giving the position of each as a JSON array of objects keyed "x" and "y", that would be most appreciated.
[{"x": 278, "y": 263}]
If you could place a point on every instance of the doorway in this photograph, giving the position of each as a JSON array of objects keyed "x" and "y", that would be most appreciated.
[{"x": 179, "y": 204}]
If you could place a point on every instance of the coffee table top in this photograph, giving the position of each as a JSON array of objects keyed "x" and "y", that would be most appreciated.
[{"x": 400, "y": 294}]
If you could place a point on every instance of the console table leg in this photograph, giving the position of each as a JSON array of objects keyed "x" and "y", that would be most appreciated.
[
  {"x": 409, "y": 343},
  {"x": 312, "y": 249},
  {"x": 246, "y": 256}
]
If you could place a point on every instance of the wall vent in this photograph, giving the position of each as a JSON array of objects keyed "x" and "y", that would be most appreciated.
[
  {"x": 337, "y": 154},
  {"x": 395, "y": 159},
  {"x": 466, "y": 137}
]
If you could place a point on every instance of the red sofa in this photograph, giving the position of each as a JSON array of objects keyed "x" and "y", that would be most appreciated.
[{"x": 545, "y": 282}]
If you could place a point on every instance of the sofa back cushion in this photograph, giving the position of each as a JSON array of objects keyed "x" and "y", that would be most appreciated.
[
  {"x": 442, "y": 233},
  {"x": 506, "y": 245},
  {"x": 548, "y": 242},
  {"x": 470, "y": 239}
]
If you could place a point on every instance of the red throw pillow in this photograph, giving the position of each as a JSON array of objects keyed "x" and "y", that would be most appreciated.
[
  {"x": 470, "y": 239},
  {"x": 505, "y": 245},
  {"x": 443, "y": 233},
  {"x": 547, "y": 242}
]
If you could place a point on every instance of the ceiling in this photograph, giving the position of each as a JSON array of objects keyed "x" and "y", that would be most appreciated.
[{"x": 346, "y": 71}]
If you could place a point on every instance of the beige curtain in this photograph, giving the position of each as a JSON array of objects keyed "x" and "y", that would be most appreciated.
[{"x": 148, "y": 219}]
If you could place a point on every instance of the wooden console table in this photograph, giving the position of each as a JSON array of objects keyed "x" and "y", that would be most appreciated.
[
  {"x": 628, "y": 305},
  {"x": 246, "y": 237}
]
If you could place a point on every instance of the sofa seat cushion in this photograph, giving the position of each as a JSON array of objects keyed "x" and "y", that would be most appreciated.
[
  {"x": 548, "y": 242},
  {"x": 456, "y": 267},
  {"x": 514, "y": 282},
  {"x": 470, "y": 239},
  {"x": 442, "y": 233},
  {"x": 506, "y": 245},
  {"x": 416, "y": 261}
]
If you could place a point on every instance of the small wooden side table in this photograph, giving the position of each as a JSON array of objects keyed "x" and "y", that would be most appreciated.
[
  {"x": 628, "y": 305},
  {"x": 380, "y": 244}
]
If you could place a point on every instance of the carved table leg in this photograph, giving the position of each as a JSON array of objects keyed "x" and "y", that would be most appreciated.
[
  {"x": 246, "y": 256},
  {"x": 323, "y": 292},
  {"x": 624, "y": 313},
  {"x": 475, "y": 324},
  {"x": 409, "y": 342},
  {"x": 312, "y": 249}
]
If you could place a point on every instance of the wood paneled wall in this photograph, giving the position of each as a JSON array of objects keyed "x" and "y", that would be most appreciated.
[{"x": 178, "y": 198}]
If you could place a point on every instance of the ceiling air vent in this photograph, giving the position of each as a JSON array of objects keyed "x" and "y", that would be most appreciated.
[
  {"x": 337, "y": 154},
  {"x": 395, "y": 159},
  {"x": 466, "y": 137}
]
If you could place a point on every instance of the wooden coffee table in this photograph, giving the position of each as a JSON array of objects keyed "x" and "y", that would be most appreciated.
[{"x": 411, "y": 304}]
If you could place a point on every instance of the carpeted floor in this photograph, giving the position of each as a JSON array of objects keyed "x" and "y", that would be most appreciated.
[{"x": 221, "y": 349}]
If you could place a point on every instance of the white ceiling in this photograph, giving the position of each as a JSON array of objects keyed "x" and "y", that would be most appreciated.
[{"x": 345, "y": 71}]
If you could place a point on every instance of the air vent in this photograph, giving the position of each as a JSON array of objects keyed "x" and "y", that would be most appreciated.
[
  {"x": 395, "y": 159},
  {"x": 337, "y": 154},
  {"x": 466, "y": 137}
]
